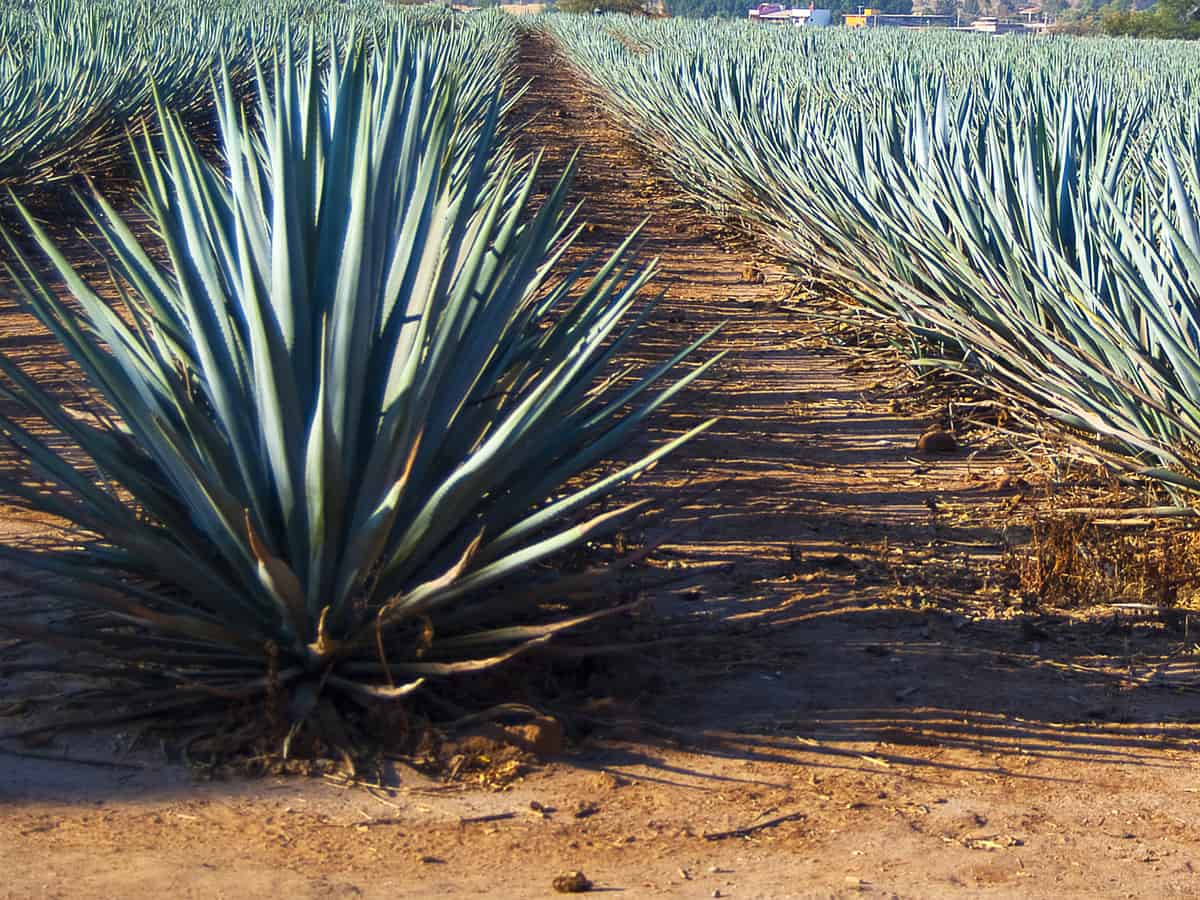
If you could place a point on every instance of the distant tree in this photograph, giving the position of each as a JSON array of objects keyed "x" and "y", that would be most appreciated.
[
  {"x": 1083, "y": 20},
  {"x": 1166, "y": 19},
  {"x": 1117, "y": 22},
  {"x": 587, "y": 6},
  {"x": 839, "y": 8},
  {"x": 704, "y": 9}
]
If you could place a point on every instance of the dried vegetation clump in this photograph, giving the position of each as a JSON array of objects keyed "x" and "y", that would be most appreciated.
[{"x": 1073, "y": 562}]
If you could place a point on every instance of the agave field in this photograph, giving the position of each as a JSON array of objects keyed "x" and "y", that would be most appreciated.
[
  {"x": 79, "y": 76},
  {"x": 1027, "y": 209},
  {"x": 347, "y": 391},
  {"x": 418, "y": 393}
]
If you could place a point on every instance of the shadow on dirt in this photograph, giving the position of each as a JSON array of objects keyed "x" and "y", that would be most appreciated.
[{"x": 924, "y": 695}]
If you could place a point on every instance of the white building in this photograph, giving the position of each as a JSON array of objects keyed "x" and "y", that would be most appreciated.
[{"x": 776, "y": 14}]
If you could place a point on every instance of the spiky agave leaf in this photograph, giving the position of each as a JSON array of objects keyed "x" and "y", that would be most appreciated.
[{"x": 348, "y": 409}]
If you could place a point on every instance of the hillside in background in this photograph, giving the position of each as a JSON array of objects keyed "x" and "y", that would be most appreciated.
[
  {"x": 1066, "y": 11},
  {"x": 1081, "y": 16},
  {"x": 1138, "y": 18}
]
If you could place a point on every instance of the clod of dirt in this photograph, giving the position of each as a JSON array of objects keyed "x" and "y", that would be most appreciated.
[
  {"x": 572, "y": 883},
  {"x": 937, "y": 440},
  {"x": 610, "y": 781},
  {"x": 839, "y": 561},
  {"x": 543, "y": 736}
]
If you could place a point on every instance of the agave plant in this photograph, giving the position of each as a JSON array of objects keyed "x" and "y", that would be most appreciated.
[{"x": 347, "y": 417}]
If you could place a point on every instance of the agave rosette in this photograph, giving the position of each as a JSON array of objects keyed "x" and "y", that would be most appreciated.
[{"x": 352, "y": 409}]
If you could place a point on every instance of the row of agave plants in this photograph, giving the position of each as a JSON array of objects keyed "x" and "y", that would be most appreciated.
[
  {"x": 349, "y": 400},
  {"x": 1028, "y": 209},
  {"x": 76, "y": 74}
]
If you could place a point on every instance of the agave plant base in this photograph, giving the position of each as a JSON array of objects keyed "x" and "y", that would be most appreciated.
[{"x": 306, "y": 716}]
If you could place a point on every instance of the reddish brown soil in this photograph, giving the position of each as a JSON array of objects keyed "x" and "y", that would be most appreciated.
[{"x": 864, "y": 707}]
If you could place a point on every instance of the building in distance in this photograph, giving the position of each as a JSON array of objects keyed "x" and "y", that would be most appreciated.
[{"x": 778, "y": 14}]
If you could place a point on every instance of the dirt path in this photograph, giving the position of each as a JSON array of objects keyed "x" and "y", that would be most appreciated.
[{"x": 860, "y": 713}]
